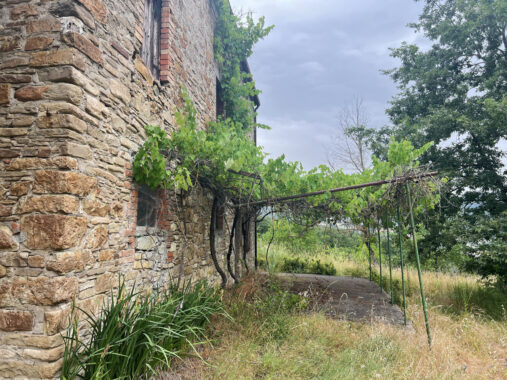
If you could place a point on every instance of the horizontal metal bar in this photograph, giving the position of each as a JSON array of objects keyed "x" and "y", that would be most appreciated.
[{"x": 266, "y": 202}]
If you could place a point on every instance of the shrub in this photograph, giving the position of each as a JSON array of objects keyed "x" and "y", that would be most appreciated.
[
  {"x": 303, "y": 265},
  {"x": 268, "y": 311},
  {"x": 136, "y": 334}
]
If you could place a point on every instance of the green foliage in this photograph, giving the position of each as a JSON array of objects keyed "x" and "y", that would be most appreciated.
[
  {"x": 297, "y": 238},
  {"x": 486, "y": 245},
  {"x": 149, "y": 164},
  {"x": 274, "y": 305},
  {"x": 234, "y": 41},
  {"x": 454, "y": 94},
  {"x": 135, "y": 334},
  {"x": 269, "y": 310},
  {"x": 310, "y": 266}
]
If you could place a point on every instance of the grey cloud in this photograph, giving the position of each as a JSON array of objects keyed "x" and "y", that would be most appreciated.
[{"x": 321, "y": 54}]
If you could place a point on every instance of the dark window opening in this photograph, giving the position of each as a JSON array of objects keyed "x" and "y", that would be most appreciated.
[
  {"x": 220, "y": 100},
  {"x": 150, "y": 51},
  {"x": 147, "y": 207},
  {"x": 219, "y": 219}
]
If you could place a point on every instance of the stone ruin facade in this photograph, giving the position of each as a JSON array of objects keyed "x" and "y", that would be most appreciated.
[{"x": 79, "y": 79}]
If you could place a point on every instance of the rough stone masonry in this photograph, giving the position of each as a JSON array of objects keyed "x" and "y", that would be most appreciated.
[{"x": 75, "y": 95}]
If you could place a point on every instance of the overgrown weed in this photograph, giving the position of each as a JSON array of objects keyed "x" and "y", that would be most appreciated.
[{"x": 137, "y": 334}]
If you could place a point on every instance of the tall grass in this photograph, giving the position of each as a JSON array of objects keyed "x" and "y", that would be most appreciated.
[
  {"x": 271, "y": 340},
  {"x": 137, "y": 334}
]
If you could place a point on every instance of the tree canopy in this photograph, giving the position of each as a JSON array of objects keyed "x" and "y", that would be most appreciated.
[{"x": 454, "y": 93}]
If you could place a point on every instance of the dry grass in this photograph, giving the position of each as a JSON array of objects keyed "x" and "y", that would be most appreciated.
[{"x": 468, "y": 343}]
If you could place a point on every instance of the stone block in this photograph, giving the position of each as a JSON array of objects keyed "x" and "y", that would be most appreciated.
[
  {"x": 5, "y": 93},
  {"x": 38, "y": 163},
  {"x": 96, "y": 8},
  {"x": 85, "y": 45},
  {"x": 94, "y": 207},
  {"x": 107, "y": 255},
  {"x": 105, "y": 282},
  {"x": 9, "y": 44},
  {"x": 44, "y": 355},
  {"x": 61, "y": 56},
  {"x": 15, "y": 78},
  {"x": 49, "y": 204},
  {"x": 9, "y": 153},
  {"x": 23, "y": 339},
  {"x": 12, "y": 259},
  {"x": 76, "y": 150},
  {"x": 64, "y": 121},
  {"x": 41, "y": 291},
  {"x": 14, "y": 320},
  {"x": 66, "y": 262},
  {"x": 20, "y": 188},
  {"x": 95, "y": 107},
  {"x": 13, "y": 132},
  {"x": 47, "y": 181},
  {"x": 97, "y": 238},
  {"x": 36, "y": 261},
  {"x": 38, "y": 43},
  {"x": 53, "y": 231},
  {"x": 3, "y": 271},
  {"x": 23, "y": 121},
  {"x": 49, "y": 24},
  {"x": 11, "y": 369},
  {"x": 145, "y": 243},
  {"x": 120, "y": 91},
  {"x": 13, "y": 62},
  {"x": 5, "y": 210},
  {"x": 30, "y": 93},
  {"x": 66, "y": 92},
  {"x": 56, "y": 321},
  {"x": 6, "y": 238},
  {"x": 144, "y": 71},
  {"x": 60, "y": 91},
  {"x": 70, "y": 75},
  {"x": 23, "y": 11},
  {"x": 143, "y": 264}
]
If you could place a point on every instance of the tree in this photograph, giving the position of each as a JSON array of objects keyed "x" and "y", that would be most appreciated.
[
  {"x": 350, "y": 146},
  {"x": 455, "y": 94}
]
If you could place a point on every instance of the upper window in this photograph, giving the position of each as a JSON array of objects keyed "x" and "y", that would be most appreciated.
[{"x": 150, "y": 51}]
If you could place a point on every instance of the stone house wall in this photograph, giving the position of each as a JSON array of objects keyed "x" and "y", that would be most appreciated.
[{"x": 74, "y": 97}]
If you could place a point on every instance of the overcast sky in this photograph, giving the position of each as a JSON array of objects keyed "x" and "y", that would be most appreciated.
[{"x": 322, "y": 54}]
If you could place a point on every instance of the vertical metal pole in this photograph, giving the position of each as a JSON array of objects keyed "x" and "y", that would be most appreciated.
[
  {"x": 379, "y": 253},
  {"x": 369, "y": 248},
  {"x": 402, "y": 268},
  {"x": 418, "y": 264},
  {"x": 390, "y": 261}
]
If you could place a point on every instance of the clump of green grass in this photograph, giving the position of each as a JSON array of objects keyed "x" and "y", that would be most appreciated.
[
  {"x": 269, "y": 309},
  {"x": 305, "y": 265},
  {"x": 136, "y": 334}
]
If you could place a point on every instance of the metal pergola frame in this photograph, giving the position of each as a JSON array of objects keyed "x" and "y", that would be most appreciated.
[{"x": 401, "y": 180}]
